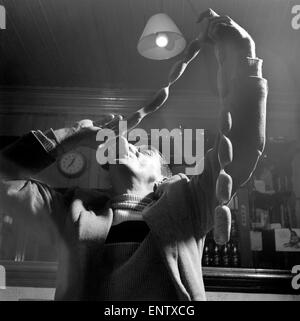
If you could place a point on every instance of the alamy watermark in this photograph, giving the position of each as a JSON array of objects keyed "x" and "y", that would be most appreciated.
[
  {"x": 295, "y": 22},
  {"x": 2, "y": 17},
  {"x": 181, "y": 147},
  {"x": 296, "y": 279}
]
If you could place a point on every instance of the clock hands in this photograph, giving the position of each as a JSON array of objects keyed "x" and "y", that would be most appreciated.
[{"x": 71, "y": 163}]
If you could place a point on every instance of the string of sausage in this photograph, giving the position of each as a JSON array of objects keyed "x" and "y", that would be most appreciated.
[{"x": 222, "y": 214}]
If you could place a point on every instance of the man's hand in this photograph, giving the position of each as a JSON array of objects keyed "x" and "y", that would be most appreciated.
[
  {"x": 232, "y": 44},
  {"x": 227, "y": 34},
  {"x": 84, "y": 132}
]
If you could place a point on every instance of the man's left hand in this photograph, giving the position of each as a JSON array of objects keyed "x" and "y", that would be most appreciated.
[{"x": 230, "y": 39}]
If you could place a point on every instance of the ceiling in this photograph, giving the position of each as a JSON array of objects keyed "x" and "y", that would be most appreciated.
[{"x": 92, "y": 43}]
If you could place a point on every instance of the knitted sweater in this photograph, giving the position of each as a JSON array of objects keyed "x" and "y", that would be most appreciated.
[{"x": 170, "y": 255}]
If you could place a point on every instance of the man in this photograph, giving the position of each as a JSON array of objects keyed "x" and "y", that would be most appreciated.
[{"x": 174, "y": 214}]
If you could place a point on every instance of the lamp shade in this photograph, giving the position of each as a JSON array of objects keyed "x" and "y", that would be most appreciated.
[{"x": 161, "y": 38}]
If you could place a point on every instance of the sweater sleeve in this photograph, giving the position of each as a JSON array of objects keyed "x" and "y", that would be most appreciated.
[
  {"x": 246, "y": 101},
  {"x": 33, "y": 201},
  {"x": 19, "y": 193},
  {"x": 30, "y": 154}
]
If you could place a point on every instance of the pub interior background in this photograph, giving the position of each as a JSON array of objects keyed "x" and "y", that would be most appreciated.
[{"x": 62, "y": 61}]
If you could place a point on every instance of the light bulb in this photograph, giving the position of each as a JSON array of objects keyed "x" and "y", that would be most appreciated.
[{"x": 161, "y": 40}]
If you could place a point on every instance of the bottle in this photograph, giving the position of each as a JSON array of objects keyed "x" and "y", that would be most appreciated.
[
  {"x": 216, "y": 256},
  {"x": 233, "y": 231},
  {"x": 235, "y": 257},
  {"x": 225, "y": 256},
  {"x": 206, "y": 256}
]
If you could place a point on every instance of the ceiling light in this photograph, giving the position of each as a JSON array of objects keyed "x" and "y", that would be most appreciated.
[{"x": 161, "y": 38}]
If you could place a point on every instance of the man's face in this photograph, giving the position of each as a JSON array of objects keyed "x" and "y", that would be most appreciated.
[{"x": 135, "y": 165}]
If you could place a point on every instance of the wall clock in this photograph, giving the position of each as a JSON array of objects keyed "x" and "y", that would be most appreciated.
[{"x": 72, "y": 164}]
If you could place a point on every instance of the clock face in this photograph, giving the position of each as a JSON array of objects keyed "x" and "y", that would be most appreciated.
[{"x": 72, "y": 164}]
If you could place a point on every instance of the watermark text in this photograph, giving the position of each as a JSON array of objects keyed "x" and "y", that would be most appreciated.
[
  {"x": 295, "y": 22},
  {"x": 178, "y": 146}
]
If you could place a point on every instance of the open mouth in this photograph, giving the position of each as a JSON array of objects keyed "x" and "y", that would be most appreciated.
[{"x": 115, "y": 151}]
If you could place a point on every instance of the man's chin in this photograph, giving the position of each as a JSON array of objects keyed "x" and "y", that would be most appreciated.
[
  {"x": 123, "y": 161},
  {"x": 119, "y": 161}
]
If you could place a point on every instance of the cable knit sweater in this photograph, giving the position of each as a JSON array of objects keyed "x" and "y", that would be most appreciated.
[{"x": 166, "y": 264}]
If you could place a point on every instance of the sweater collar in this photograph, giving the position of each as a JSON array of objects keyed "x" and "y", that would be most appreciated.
[{"x": 129, "y": 207}]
